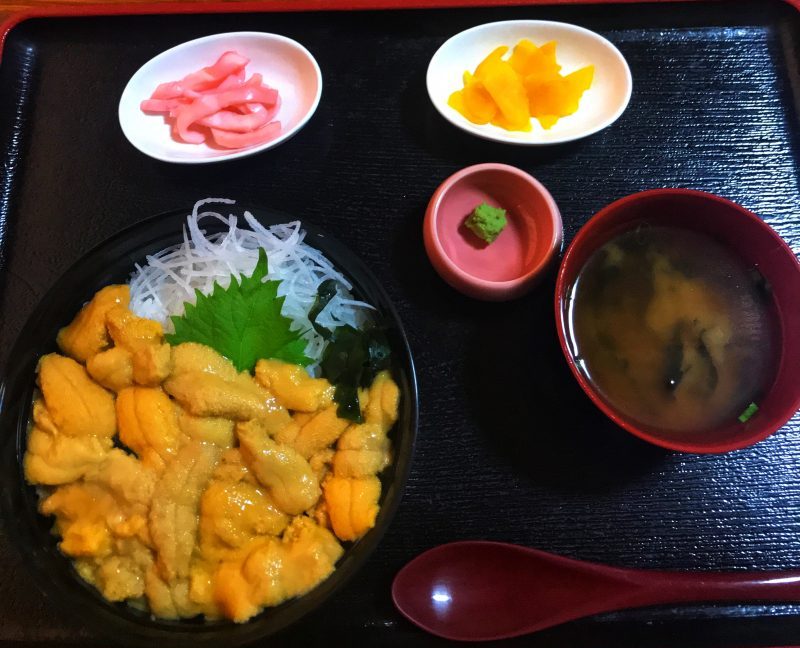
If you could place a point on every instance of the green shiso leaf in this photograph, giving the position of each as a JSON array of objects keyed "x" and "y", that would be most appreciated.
[{"x": 243, "y": 322}]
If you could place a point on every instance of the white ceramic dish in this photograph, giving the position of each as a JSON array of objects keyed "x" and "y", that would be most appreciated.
[
  {"x": 599, "y": 107},
  {"x": 285, "y": 64}
]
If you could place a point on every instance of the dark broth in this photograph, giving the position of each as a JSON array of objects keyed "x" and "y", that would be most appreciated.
[{"x": 672, "y": 329}]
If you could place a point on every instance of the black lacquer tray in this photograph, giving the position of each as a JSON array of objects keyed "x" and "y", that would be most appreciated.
[{"x": 509, "y": 448}]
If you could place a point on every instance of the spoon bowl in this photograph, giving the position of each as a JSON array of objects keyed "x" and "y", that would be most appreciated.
[{"x": 483, "y": 591}]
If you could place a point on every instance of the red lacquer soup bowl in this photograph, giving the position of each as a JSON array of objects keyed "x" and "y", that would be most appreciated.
[{"x": 759, "y": 247}]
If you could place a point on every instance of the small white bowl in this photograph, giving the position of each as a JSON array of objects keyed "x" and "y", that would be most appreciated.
[
  {"x": 285, "y": 65},
  {"x": 600, "y": 106}
]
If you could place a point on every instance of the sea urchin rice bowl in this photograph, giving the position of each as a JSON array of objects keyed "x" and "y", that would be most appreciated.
[{"x": 114, "y": 261}]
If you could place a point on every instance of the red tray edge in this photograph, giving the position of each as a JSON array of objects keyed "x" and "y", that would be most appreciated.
[{"x": 256, "y": 6}]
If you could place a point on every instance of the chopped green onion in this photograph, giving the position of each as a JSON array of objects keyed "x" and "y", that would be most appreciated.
[{"x": 745, "y": 416}]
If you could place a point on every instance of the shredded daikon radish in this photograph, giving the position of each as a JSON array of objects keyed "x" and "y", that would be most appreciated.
[{"x": 161, "y": 287}]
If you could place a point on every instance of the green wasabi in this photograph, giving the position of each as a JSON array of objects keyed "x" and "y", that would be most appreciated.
[{"x": 487, "y": 222}]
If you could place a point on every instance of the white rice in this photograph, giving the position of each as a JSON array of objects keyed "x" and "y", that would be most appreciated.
[{"x": 161, "y": 288}]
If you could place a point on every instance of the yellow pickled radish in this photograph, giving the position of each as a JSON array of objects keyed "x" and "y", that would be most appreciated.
[
  {"x": 527, "y": 59},
  {"x": 550, "y": 101},
  {"x": 473, "y": 101},
  {"x": 547, "y": 121},
  {"x": 503, "y": 123},
  {"x": 456, "y": 102},
  {"x": 508, "y": 92},
  {"x": 479, "y": 102},
  {"x": 581, "y": 80},
  {"x": 505, "y": 87},
  {"x": 558, "y": 97},
  {"x": 487, "y": 63}
]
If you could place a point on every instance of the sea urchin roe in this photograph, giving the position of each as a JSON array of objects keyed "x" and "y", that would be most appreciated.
[
  {"x": 507, "y": 92},
  {"x": 222, "y": 497}
]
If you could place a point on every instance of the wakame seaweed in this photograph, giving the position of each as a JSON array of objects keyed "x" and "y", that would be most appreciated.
[
  {"x": 352, "y": 358},
  {"x": 325, "y": 292}
]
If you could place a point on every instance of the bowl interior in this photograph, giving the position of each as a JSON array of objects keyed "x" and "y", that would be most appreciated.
[
  {"x": 752, "y": 241},
  {"x": 577, "y": 47},
  {"x": 111, "y": 262},
  {"x": 524, "y": 244},
  {"x": 285, "y": 65}
]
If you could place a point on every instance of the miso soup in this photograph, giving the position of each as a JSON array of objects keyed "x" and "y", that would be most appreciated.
[{"x": 673, "y": 329}]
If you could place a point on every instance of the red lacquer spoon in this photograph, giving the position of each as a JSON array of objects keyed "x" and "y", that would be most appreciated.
[{"x": 479, "y": 591}]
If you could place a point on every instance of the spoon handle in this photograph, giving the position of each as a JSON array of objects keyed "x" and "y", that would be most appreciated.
[{"x": 657, "y": 587}]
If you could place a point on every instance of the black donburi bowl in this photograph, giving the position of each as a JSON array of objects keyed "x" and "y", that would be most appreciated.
[{"x": 112, "y": 262}]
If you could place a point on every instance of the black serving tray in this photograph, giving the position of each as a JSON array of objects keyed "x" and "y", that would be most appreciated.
[{"x": 509, "y": 448}]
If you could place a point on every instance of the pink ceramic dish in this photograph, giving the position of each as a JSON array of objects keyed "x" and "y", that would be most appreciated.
[
  {"x": 515, "y": 261},
  {"x": 757, "y": 244}
]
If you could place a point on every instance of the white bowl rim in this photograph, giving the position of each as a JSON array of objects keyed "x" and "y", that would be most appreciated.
[
  {"x": 500, "y": 136},
  {"x": 237, "y": 153}
]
